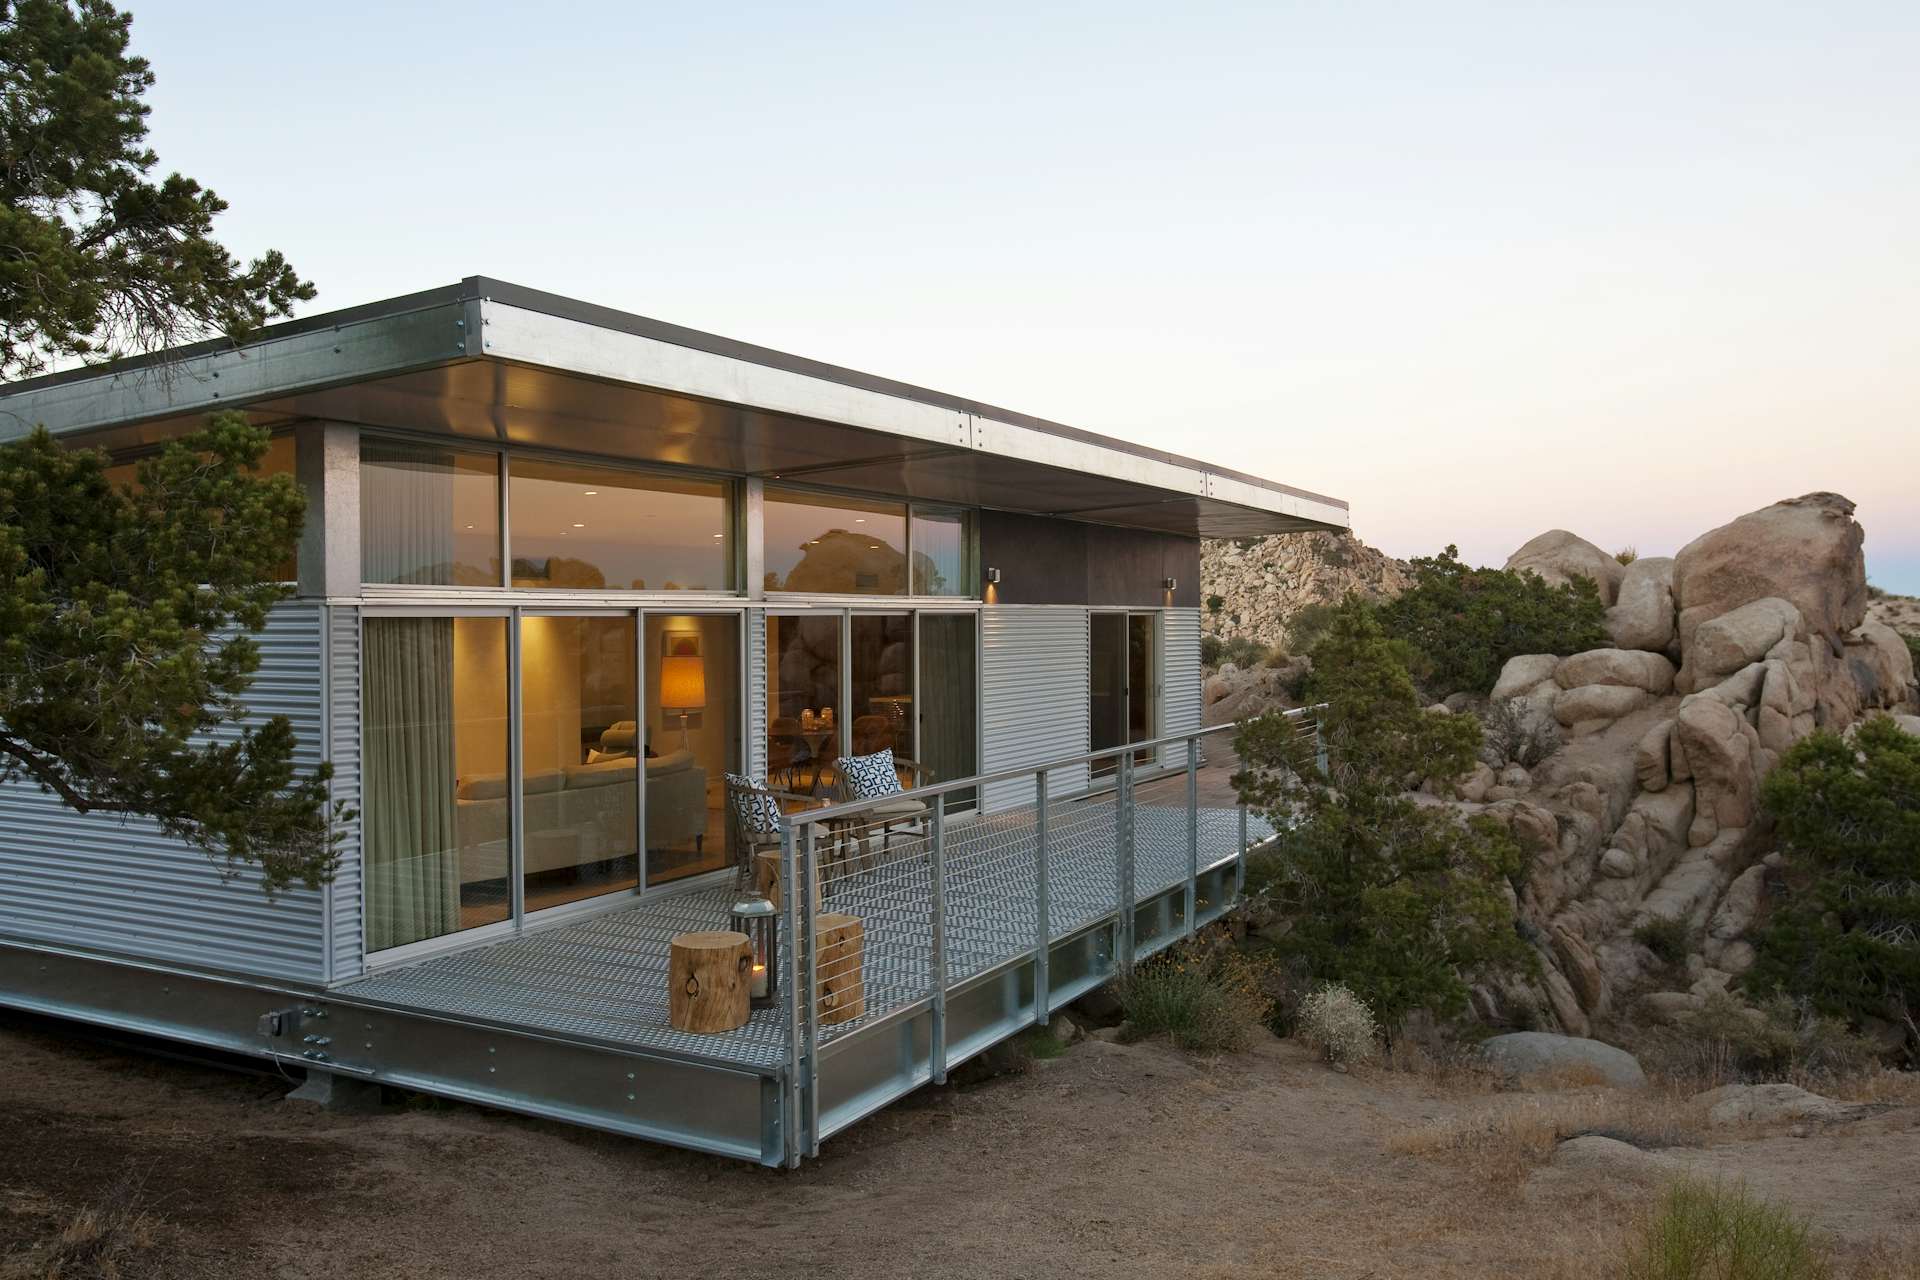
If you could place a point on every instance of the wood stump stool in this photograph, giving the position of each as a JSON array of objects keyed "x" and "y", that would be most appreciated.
[
  {"x": 708, "y": 981},
  {"x": 766, "y": 880},
  {"x": 842, "y": 943}
]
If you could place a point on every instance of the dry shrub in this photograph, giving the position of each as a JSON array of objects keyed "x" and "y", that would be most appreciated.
[
  {"x": 1728, "y": 1042},
  {"x": 1337, "y": 1025},
  {"x": 101, "y": 1241},
  {"x": 1510, "y": 1141},
  {"x": 1207, "y": 995}
]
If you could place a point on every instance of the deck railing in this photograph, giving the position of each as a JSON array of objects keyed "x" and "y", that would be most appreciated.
[{"x": 1038, "y": 883}]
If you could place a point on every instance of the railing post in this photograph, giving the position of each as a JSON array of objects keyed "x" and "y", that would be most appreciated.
[
  {"x": 1042, "y": 910},
  {"x": 1240, "y": 858},
  {"x": 790, "y": 953},
  {"x": 1193, "y": 835},
  {"x": 1123, "y": 862},
  {"x": 938, "y": 959},
  {"x": 1319, "y": 745},
  {"x": 802, "y": 887}
]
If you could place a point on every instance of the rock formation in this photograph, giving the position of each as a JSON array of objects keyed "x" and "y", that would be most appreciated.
[
  {"x": 1755, "y": 635},
  {"x": 1261, "y": 583}
]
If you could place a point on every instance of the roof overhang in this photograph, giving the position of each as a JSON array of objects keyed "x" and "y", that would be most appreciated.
[{"x": 496, "y": 362}]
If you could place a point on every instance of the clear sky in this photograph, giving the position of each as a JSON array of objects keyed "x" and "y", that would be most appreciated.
[{"x": 1481, "y": 269}]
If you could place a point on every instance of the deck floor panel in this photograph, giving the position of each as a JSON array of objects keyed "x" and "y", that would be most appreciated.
[{"x": 605, "y": 976}]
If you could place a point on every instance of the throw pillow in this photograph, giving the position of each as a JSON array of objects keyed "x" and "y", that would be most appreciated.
[
  {"x": 753, "y": 806},
  {"x": 869, "y": 777}
]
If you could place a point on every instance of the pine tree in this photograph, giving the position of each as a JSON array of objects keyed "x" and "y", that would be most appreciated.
[
  {"x": 1403, "y": 901},
  {"x": 126, "y": 621}
]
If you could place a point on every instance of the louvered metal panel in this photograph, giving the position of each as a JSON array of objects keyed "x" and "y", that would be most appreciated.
[
  {"x": 757, "y": 714},
  {"x": 1179, "y": 678},
  {"x": 347, "y": 905},
  {"x": 118, "y": 885},
  {"x": 1033, "y": 697}
]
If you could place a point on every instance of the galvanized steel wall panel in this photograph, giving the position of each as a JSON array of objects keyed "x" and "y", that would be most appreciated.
[
  {"x": 1033, "y": 697},
  {"x": 1179, "y": 678},
  {"x": 117, "y": 884},
  {"x": 347, "y": 895},
  {"x": 757, "y": 715}
]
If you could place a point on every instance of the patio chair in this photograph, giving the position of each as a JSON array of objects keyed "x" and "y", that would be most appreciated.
[
  {"x": 753, "y": 812},
  {"x": 876, "y": 777},
  {"x": 787, "y": 751}
]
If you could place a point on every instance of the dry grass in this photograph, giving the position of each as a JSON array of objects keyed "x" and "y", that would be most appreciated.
[
  {"x": 101, "y": 1241},
  {"x": 1507, "y": 1142}
]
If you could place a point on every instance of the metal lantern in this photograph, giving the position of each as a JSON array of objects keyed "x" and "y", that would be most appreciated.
[{"x": 760, "y": 921}]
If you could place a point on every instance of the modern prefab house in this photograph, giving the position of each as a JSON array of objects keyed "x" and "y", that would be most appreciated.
[{"x": 608, "y": 627}]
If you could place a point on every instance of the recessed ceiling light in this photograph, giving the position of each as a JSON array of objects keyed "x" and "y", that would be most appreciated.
[
  {"x": 578, "y": 525},
  {"x": 590, "y": 492},
  {"x": 719, "y": 535},
  {"x": 469, "y": 526},
  {"x": 859, "y": 519}
]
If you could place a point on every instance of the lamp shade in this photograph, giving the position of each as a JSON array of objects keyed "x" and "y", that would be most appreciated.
[{"x": 683, "y": 682}]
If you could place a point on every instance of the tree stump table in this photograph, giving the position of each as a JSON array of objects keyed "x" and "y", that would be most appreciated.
[
  {"x": 766, "y": 879},
  {"x": 842, "y": 943},
  {"x": 708, "y": 983}
]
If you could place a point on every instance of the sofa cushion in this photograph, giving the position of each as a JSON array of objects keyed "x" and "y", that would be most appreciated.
[
  {"x": 538, "y": 784},
  {"x": 619, "y": 737},
  {"x": 599, "y": 775},
  {"x": 483, "y": 786},
  {"x": 672, "y": 762},
  {"x": 869, "y": 777}
]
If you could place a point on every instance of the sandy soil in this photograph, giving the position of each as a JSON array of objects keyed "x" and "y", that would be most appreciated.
[{"x": 1108, "y": 1161}]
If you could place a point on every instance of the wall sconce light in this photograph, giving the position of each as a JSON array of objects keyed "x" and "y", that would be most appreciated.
[
  {"x": 1170, "y": 584},
  {"x": 993, "y": 577}
]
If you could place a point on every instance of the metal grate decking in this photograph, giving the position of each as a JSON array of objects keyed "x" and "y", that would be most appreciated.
[{"x": 605, "y": 977}]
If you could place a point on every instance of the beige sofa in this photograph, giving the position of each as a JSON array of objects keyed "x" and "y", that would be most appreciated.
[{"x": 578, "y": 812}]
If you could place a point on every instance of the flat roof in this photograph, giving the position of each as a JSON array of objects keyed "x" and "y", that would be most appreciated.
[{"x": 487, "y": 359}]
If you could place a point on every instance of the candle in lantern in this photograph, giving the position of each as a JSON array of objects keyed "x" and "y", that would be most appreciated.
[{"x": 757, "y": 987}]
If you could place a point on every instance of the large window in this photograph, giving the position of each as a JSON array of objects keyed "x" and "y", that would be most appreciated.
[
  {"x": 278, "y": 460},
  {"x": 595, "y": 528},
  {"x": 805, "y": 721},
  {"x": 429, "y": 516},
  {"x": 692, "y": 740},
  {"x": 578, "y": 757},
  {"x": 941, "y": 560},
  {"x": 835, "y": 546},
  {"x": 438, "y": 823}
]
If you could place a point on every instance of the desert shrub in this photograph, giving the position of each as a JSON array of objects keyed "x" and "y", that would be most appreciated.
[
  {"x": 1514, "y": 733},
  {"x": 1216, "y": 603},
  {"x": 1465, "y": 622},
  {"x": 1780, "y": 1039},
  {"x": 1243, "y": 651},
  {"x": 1626, "y": 555},
  {"x": 1337, "y": 1024},
  {"x": 1876, "y": 593},
  {"x": 1306, "y": 626},
  {"x": 1210, "y": 650},
  {"x": 1666, "y": 938},
  {"x": 1710, "y": 1230},
  {"x": 1399, "y": 901},
  {"x": 104, "y": 1239},
  {"x": 1913, "y": 647},
  {"x": 1204, "y": 996},
  {"x": 1846, "y": 935}
]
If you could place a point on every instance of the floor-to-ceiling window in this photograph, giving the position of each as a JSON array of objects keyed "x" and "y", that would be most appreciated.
[
  {"x": 805, "y": 718},
  {"x": 949, "y": 710},
  {"x": 692, "y": 740},
  {"x": 881, "y": 685},
  {"x": 438, "y": 822},
  {"x": 578, "y": 758},
  {"x": 1122, "y": 688}
]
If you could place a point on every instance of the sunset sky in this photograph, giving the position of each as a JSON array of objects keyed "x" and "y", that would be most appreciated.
[{"x": 1480, "y": 269}]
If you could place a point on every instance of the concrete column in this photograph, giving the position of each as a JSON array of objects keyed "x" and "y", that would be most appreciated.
[
  {"x": 753, "y": 536},
  {"x": 328, "y": 467}
]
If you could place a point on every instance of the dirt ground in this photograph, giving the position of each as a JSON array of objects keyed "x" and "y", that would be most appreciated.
[{"x": 1107, "y": 1161}]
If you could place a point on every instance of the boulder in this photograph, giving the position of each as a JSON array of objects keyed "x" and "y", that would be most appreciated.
[
  {"x": 1718, "y": 746},
  {"x": 1774, "y": 1104},
  {"x": 1738, "y": 907},
  {"x": 1517, "y": 777},
  {"x": 1523, "y": 674},
  {"x": 1668, "y": 1007},
  {"x": 1613, "y": 1159},
  {"x": 1583, "y": 975},
  {"x": 1881, "y": 664},
  {"x": 1619, "y": 863},
  {"x": 1559, "y": 557},
  {"x": 1526, "y": 1053},
  {"x": 1725, "y": 644},
  {"x": 1642, "y": 612},
  {"x": 1805, "y": 550},
  {"x": 1738, "y": 957},
  {"x": 1651, "y": 757},
  {"x": 1473, "y": 786},
  {"x": 1908, "y": 724},
  {"x": 1630, "y": 668},
  {"x": 1598, "y": 702}
]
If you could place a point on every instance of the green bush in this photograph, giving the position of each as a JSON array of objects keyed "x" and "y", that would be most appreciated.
[
  {"x": 1847, "y": 935},
  {"x": 1706, "y": 1231},
  {"x": 1464, "y": 623},
  {"x": 1913, "y": 647},
  {"x": 1308, "y": 623},
  {"x": 1401, "y": 902},
  {"x": 1210, "y": 649},
  {"x": 1206, "y": 999},
  {"x": 1626, "y": 555},
  {"x": 1667, "y": 939},
  {"x": 1244, "y": 652},
  {"x": 1216, "y": 603}
]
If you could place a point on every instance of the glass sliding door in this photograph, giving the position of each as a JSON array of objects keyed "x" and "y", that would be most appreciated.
[
  {"x": 949, "y": 700},
  {"x": 881, "y": 689},
  {"x": 692, "y": 740},
  {"x": 1107, "y": 688},
  {"x": 579, "y": 783},
  {"x": 1143, "y": 709},
  {"x": 438, "y": 812},
  {"x": 805, "y": 729}
]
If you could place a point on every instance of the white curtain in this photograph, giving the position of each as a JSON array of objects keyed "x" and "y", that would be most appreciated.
[
  {"x": 412, "y": 846},
  {"x": 406, "y": 513}
]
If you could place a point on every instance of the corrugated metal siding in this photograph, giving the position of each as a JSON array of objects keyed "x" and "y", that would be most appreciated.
[
  {"x": 117, "y": 884},
  {"x": 757, "y": 719},
  {"x": 1033, "y": 697},
  {"x": 1179, "y": 678},
  {"x": 347, "y": 906}
]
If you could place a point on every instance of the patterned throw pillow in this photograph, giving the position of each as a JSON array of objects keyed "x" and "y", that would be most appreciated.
[
  {"x": 869, "y": 777},
  {"x": 754, "y": 806}
]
